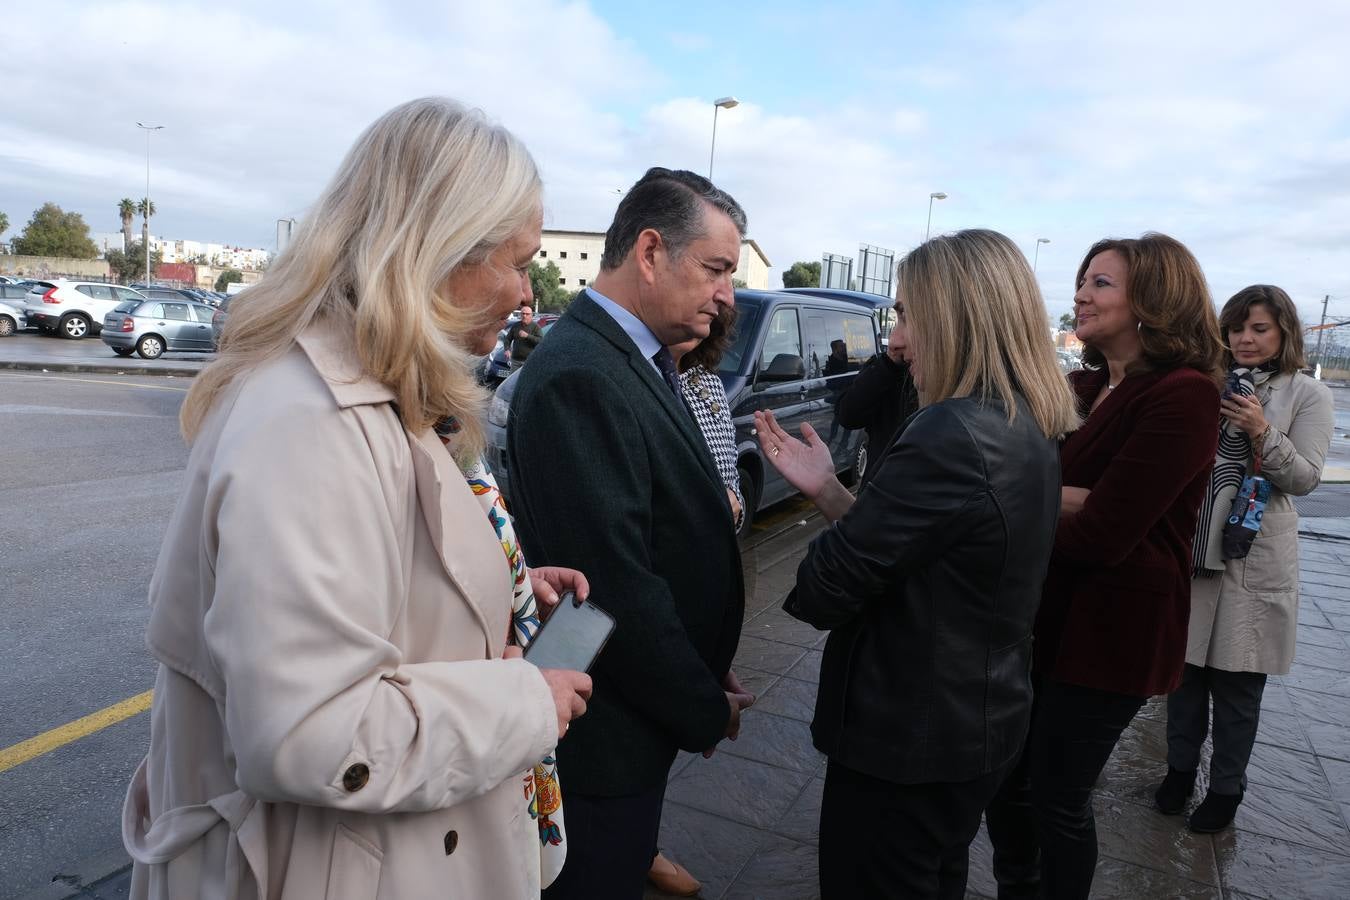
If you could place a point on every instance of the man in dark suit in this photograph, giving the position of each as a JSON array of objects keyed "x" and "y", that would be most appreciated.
[{"x": 610, "y": 474}]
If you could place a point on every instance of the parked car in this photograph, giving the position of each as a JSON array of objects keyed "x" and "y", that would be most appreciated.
[
  {"x": 12, "y": 318},
  {"x": 152, "y": 327},
  {"x": 9, "y": 279},
  {"x": 497, "y": 364},
  {"x": 74, "y": 308},
  {"x": 13, "y": 296},
  {"x": 160, "y": 292},
  {"x": 218, "y": 320},
  {"x": 780, "y": 360}
]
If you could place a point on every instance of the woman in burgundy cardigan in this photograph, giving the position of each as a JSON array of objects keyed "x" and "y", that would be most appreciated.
[{"x": 1111, "y": 630}]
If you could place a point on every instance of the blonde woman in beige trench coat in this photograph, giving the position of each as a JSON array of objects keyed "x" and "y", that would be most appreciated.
[
  {"x": 337, "y": 711},
  {"x": 1244, "y": 612}
]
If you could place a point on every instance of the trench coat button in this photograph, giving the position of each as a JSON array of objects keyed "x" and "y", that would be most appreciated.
[
  {"x": 356, "y": 777},
  {"x": 451, "y": 842}
]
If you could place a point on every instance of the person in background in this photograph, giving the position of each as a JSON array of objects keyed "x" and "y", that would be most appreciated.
[
  {"x": 1277, "y": 423},
  {"x": 525, "y": 336},
  {"x": 339, "y": 603},
  {"x": 880, "y": 399},
  {"x": 1111, "y": 630},
  {"x": 611, "y": 475},
  {"x": 929, "y": 581},
  {"x": 706, "y": 398}
]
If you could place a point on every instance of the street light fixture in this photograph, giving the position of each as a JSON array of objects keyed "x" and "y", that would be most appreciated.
[
  {"x": 724, "y": 103},
  {"x": 1037, "y": 257},
  {"x": 936, "y": 195},
  {"x": 145, "y": 238}
]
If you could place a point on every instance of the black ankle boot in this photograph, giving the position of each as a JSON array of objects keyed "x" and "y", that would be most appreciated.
[
  {"x": 1175, "y": 790},
  {"x": 1215, "y": 812}
]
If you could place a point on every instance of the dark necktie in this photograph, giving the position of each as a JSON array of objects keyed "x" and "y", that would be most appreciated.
[{"x": 666, "y": 364}]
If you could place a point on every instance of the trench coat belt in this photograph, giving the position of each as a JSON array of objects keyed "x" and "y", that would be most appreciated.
[{"x": 174, "y": 831}]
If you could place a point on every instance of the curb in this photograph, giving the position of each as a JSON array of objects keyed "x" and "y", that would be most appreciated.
[
  {"x": 99, "y": 368},
  {"x": 88, "y": 874}
]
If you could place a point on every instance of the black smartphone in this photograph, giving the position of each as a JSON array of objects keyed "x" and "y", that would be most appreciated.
[
  {"x": 572, "y": 636},
  {"x": 1233, "y": 385}
]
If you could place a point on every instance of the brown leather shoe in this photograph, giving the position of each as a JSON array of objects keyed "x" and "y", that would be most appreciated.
[{"x": 669, "y": 877}]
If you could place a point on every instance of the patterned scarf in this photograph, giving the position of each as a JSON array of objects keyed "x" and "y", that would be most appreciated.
[
  {"x": 1230, "y": 467},
  {"x": 542, "y": 790}
]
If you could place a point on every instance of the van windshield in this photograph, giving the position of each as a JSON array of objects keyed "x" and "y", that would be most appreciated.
[{"x": 747, "y": 316}]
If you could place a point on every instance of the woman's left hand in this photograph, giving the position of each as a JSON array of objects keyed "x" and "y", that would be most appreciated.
[
  {"x": 1244, "y": 412},
  {"x": 550, "y": 582}
]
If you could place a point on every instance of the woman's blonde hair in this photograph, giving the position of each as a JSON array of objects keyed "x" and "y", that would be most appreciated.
[
  {"x": 429, "y": 187},
  {"x": 979, "y": 325}
]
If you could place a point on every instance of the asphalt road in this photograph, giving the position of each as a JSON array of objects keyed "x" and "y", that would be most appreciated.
[
  {"x": 89, "y": 470},
  {"x": 90, "y": 467}
]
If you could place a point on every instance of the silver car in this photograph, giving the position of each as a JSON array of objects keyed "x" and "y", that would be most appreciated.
[
  {"x": 152, "y": 327},
  {"x": 12, "y": 319}
]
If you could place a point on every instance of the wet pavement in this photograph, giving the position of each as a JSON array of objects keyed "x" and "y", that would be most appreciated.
[{"x": 745, "y": 821}]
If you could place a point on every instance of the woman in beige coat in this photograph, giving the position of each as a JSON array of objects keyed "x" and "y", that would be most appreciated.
[
  {"x": 338, "y": 711},
  {"x": 1244, "y": 611}
]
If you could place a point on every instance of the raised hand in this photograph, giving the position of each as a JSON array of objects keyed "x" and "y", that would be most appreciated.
[{"x": 806, "y": 465}]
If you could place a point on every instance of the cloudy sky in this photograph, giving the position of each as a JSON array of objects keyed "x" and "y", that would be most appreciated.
[{"x": 1225, "y": 124}]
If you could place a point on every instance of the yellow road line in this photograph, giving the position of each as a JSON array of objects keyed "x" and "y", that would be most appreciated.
[
  {"x": 150, "y": 387},
  {"x": 48, "y": 741}
]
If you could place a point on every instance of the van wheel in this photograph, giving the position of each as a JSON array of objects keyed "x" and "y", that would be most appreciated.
[
  {"x": 74, "y": 326},
  {"x": 150, "y": 347},
  {"x": 750, "y": 495}
]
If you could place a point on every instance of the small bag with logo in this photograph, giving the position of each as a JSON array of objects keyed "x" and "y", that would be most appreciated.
[{"x": 1249, "y": 507}]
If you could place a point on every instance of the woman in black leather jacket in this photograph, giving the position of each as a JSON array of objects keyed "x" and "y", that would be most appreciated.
[{"x": 930, "y": 580}]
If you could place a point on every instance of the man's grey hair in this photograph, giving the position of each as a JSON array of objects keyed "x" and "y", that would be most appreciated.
[{"x": 671, "y": 202}]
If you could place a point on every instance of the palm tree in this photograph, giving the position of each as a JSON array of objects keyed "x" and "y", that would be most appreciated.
[
  {"x": 146, "y": 209},
  {"x": 126, "y": 208}
]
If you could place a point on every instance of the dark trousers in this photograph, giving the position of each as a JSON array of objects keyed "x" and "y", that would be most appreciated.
[
  {"x": 1041, "y": 822},
  {"x": 610, "y": 845},
  {"x": 1237, "y": 713},
  {"x": 879, "y": 839}
]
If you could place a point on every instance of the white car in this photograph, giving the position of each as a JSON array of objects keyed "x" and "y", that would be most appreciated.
[{"x": 74, "y": 309}]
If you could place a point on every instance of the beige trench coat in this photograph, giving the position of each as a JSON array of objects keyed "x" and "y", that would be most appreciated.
[
  {"x": 1245, "y": 619},
  {"x": 332, "y": 717}
]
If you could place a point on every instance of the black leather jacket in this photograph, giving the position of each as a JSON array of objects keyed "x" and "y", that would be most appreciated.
[{"x": 929, "y": 586}]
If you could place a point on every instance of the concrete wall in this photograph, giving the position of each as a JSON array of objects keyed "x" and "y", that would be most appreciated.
[{"x": 54, "y": 267}]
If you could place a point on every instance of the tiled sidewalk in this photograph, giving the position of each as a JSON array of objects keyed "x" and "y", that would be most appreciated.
[{"x": 745, "y": 821}]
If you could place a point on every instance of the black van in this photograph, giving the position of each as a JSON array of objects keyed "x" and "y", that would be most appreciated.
[{"x": 795, "y": 351}]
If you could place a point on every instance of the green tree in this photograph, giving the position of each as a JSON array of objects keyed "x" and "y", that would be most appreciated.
[
  {"x": 130, "y": 265},
  {"x": 4, "y": 223},
  {"x": 54, "y": 232},
  {"x": 549, "y": 294},
  {"x": 738, "y": 282},
  {"x": 1068, "y": 322},
  {"x": 802, "y": 274},
  {"x": 229, "y": 276},
  {"x": 126, "y": 209}
]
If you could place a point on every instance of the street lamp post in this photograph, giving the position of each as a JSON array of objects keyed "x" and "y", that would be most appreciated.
[
  {"x": 936, "y": 195},
  {"x": 145, "y": 238},
  {"x": 1037, "y": 257},
  {"x": 724, "y": 103}
]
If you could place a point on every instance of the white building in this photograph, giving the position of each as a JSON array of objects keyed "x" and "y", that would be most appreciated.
[
  {"x": 577, "y": 256},
  {"x": 219, "y": 255}
]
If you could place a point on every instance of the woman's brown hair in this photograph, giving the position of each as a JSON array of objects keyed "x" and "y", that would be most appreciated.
[
  {"x": 1167, "y": 293},
  {"x": 1235, "y": 312},
  {"x": 709, "y": 352}
]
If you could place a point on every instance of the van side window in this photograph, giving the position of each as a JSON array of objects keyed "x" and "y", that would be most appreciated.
[{"x": 784, "y": 338}]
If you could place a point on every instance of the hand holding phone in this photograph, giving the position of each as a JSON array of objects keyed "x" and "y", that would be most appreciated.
[{"x": 572, "y": 636}]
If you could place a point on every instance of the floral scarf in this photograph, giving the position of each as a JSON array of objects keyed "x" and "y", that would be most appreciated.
[{"x": 540, "y": 786}]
